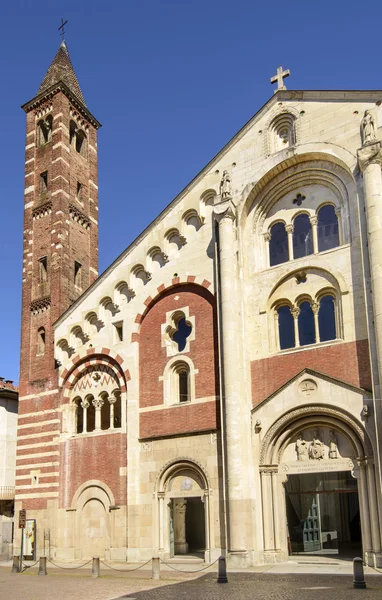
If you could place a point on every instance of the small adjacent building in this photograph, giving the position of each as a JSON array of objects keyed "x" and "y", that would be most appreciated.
[{"x": 8, "y": 434}]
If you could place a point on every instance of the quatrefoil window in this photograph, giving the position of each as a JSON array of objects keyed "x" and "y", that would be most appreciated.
[{"x": 179, "y": 331}]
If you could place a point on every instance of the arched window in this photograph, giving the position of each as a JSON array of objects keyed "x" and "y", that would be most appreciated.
[
  {"x": 306, "y": 328},
  {"x": 41, "y": 341},
  {"x": 184, "y": 384},
  {"x": 44, "y": 130},
  {"x": 326, "y": 319},
  {"x": 90, "y": 414},
  {"x": 117, "y": 416},
  {"x": 286, "y": 327},
  {"x": 302, "y": 236},
  {"x": 327, "y": 229},
  {"x": 81, "y": 143},
  {"x": 105, "y": 412},
  {"x": 79, "y": 428},
  {"x": 278, "y": 245}
]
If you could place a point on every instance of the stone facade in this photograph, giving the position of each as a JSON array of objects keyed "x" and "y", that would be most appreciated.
[
  {"x": 8, "y": 434},
  {"x": 174, "y": 410}
]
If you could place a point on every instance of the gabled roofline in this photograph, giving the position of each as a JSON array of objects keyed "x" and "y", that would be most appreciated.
[
  {"x": 312, "y": 372},
  {"x": 60, "y": 86},
  {"x": 319, "y": 95}
]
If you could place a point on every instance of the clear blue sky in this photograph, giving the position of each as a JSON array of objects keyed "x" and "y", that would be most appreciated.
[{"x": 171, "y": 81}]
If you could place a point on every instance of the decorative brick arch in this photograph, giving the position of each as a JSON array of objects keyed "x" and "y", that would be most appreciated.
[
  {"x": 176, "y": 281},
  {"x": 88, "y": 358}
]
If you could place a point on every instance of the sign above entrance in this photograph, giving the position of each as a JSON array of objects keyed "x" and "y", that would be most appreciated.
[{"x": 344, "y": 464}]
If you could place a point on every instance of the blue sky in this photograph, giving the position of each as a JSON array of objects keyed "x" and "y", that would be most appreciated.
[{"x": 171, "y": 82}]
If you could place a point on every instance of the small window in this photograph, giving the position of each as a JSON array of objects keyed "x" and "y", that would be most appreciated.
[
  {"x": 184, "y": 387},
  {"x": 80, "y": 142},
  {"x": 105, "y": 412},
  {"x": 302, "y": 237},
  {"x": 77, "y": 274},
  {"x": 117, "y": 411},
  {"x": 306, "y": 329},
  {"x": 79, "y": 416},
  {"x": 90, "y": 414},
  {"x": 278, "y": 245},
  {"x": 44, "y": 182},
  {"x": 118, "y": 332},
  {"x": 327, "y": 229},
  {"x": 41, "y": 341},
  {"x": 43, "y": 269},
  {"x": 286, "y": 327},
  {"x": 326, "y": 319},
  {"x": 79, "y": 190}
]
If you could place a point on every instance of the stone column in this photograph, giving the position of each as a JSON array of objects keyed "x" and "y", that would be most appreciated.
[
  {"x": 225, "y": 214},
  {"x": 295, "y": 314},
  {"x": 180, "y": 543},
  {"x": 267, "y": 239},
  {"x": 289, "y": 229},
  {"x": 112, "y": 401},
  {"x": 266, "y": 496},
  {"x": 276, "y": 493},
  {"x": 161, "y": 521},
  {"x": 374, "y": 521},
  {"x": 314, "y": 222},
  {"x": 364, "y": 508},
  {"x": 370, "y": 162},
  {"x": 85, "y": 406},
  {"x": 340, "y": 225},
  {"x": 97, "y": 403},
  {"x": 315, "y": 309}
]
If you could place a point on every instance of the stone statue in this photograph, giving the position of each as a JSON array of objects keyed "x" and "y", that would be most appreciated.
[
  {"x": 333, "y": 446},
  {"x": 225, "y": 186},
  {"x": 368, "y": 129},
  {"x": 302, "y": 448},
  {"x": 316, "y": 448}
]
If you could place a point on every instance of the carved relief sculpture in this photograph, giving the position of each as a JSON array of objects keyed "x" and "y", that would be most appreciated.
[
  {"x": 316, "y": 448},
  {"x": 225, "y": 186},
  {"x": 333, "y": 445},
  {"x": 302, "y": 449},
  {"x": 368, "y": 129}
]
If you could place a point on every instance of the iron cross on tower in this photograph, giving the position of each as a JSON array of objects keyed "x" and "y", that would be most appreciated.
[
  {"x": 62, "y": 27},
  {"x": 280, "y": 78}
]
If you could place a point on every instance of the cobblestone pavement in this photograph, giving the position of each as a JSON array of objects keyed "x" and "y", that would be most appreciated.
[{"x": 79, "y": 585}]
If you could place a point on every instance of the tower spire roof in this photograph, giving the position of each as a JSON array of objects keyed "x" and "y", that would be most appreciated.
[{"x": 62, "y": 70}]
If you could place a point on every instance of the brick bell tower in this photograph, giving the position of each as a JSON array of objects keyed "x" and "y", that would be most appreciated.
[{"x": 60, "y": 257}]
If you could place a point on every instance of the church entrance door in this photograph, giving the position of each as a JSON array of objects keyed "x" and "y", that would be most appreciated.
[
  {"x": 187, "y": 526},
  {"x": 323, "y": 513}
]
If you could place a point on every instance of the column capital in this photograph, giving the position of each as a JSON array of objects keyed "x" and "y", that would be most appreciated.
[
  {"x": 313, "y": 220},
  {"x": 224, "y": 208},
  {"x": 370, "y": 154},
  {"x": 289, "y": 228},
  {"x": 295, "y": 312}
]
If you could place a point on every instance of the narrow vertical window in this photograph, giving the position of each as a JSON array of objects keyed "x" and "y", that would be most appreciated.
[
  {"x": 79, "y": 416},
  {"x": 286, "y": 328},
  {"x": 306, "y": 328},
  {"x": 328, "y": 236},
  {"x": 41, "y": 341},
  {"x": 44, "y": 130},
  {"x": 77, "y": 274},
  {"x": 105, "y": 412},
  {"x": 44, "y": 182},
  {"x": 302, "y": 237},
  {"x": 79, "y": 190},
  {"x": 278, "y": 245},
  {"x": 43, "y": 269},
  {"x": 326, "y": 319},
  {"x": 184, "y": 391},
  {"x": 117, "y": 416},
  {"x": 90, "y": 414},
  {"x": 118, "y": 327}
]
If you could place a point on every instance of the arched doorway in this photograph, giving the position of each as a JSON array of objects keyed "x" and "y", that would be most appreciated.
[
  {"x": 92, "y": 503},
  {"x": 183, "y": 511},
  {"x": 318, "y": 486}
]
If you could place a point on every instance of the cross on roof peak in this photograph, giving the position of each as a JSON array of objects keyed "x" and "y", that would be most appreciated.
[
  {"x": 279, "y": 78},
  {"x": 62, "y": 28}
]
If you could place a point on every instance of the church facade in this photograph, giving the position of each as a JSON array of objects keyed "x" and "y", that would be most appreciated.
[{"x": 217, "y": 388}]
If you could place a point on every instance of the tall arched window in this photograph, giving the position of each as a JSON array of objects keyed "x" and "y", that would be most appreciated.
[
  {"x": 90, "y": 414},
  {"x": 105, "y": 412},
  {"x": 184, "y": 385},
  {"x": 302, "y": 236},
  {"x": 79, "y": 428},
  {"x": 306, "y": 328},
  {"x": 44, "y": 130},
  {"x": 286, "y": 327},
  {"x": 278, "y": 245},
  {"x": 327, "y": 228},
  {"x": 117, "y": 416},
  {"x": 326, "y": 319}
]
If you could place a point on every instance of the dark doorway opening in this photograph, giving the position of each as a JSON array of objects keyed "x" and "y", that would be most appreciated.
[{"x": 195, "y": 525}]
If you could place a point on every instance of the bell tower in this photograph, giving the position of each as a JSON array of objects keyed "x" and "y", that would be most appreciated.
[{"x": 60, "y": 257}]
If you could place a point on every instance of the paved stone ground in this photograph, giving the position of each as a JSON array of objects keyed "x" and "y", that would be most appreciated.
[{"x": 241, "y": 586}]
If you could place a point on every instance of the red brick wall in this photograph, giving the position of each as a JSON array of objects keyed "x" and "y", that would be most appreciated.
[
  {"x": 99, "y": 457},
  {"x": 153, "y": 359},
  {"x": 348, "y": 362}
]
